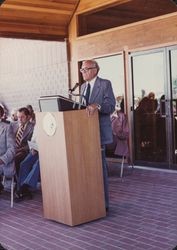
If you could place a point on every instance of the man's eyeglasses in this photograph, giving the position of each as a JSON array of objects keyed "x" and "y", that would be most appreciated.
[{"x": 86, "y": 69}]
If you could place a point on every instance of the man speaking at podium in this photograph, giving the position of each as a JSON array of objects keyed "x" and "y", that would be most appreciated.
[{"x": 98, "y": 95}]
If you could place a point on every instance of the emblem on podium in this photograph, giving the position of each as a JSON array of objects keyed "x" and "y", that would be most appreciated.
[{"x": 49, "y": 124}]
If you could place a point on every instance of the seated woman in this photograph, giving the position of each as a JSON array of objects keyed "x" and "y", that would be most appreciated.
[
  {"x": 7, "y": 149},
  {"x": 121, "y": 133},
  {"x": 32, "y": 114}
]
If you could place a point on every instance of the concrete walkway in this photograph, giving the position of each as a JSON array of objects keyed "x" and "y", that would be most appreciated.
[{"x": 142, "y": 216}]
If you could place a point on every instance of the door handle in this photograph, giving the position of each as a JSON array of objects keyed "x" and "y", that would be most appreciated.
[{"x": 163, "y": 108}]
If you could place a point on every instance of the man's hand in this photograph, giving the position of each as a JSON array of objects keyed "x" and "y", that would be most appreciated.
[{"x": 91, "y": 109}]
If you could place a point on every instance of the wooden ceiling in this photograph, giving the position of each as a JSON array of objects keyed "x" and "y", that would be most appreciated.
[
  {"x": 49, "y": 19},
  {"x": 36, "y": 19},
  {"x": 126, "y": 12}
]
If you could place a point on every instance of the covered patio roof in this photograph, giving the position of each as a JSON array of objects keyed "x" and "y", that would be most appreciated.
[
  {"x": 50, "y": 19},
  {"x": 36, "y": 19}
]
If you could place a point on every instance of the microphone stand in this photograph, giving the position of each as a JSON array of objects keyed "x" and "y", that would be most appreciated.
[
  {"x": 80, "y": 99},
  {"x": 71, "y": 94},
  {"x": 75, "y": 87}
]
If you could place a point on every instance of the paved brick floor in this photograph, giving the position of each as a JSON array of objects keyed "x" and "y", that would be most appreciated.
[{"x": 142, "y": 216}]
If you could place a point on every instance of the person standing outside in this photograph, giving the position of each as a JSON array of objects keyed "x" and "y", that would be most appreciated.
[{"x": 98, "y": 96}]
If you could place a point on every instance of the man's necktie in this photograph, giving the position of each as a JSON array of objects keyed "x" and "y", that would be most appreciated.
[
  {"x": 19, "y": 136},
  {"x": 87, "y": 95}
]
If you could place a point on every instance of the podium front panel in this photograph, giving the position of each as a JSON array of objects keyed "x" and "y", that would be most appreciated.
[{"x": 71, "y": 168}]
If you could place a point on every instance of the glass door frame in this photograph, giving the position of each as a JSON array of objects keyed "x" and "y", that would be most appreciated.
[
  {"x": 173, "y": 163},
  {"x": 168, "y": 103}
]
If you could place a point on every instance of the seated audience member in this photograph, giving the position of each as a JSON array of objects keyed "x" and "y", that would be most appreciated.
[
  {"x": 7, "y": 149},
  {"x": 13, "y": 115},
  {"x": 121, "y": 133},
  {"x": 23, "y": 130},
  {"x": 4, "y": 117},
  {"x": 32, "y": 114},
  {"x": 29, "y": 172}
]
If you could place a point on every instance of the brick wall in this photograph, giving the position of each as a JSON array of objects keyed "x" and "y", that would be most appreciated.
[{"x": 30, "y": 69}]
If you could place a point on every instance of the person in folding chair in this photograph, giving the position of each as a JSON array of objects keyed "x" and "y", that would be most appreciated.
[
  {"x": 7, "y": 149},
  {"x": 29, "y": 172},
  {"x": 23, "y": 130},
  {"x": 121, "y": 133}
]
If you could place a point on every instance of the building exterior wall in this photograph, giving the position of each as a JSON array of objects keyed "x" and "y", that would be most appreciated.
[
  {"x": 143, "y": 35},
  {"x": 148, "y": 34},
  {"x": 30, "y": 69}
]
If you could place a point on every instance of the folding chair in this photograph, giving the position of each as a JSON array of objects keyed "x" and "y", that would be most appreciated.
[
  {"x": 11, "y": 188},
  {"x": 122, "y": 166}
]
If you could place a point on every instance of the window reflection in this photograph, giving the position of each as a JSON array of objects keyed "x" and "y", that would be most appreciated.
[
  {"x": 174, "y": 101},
  {"x": 148, "y": 76},
  {"x": 112, "y": 68},
  {"x": 149, "y": 98},
  {"x": 174, "y": 72}
]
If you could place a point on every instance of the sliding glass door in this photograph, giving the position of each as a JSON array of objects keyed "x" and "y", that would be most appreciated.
[
  {"x": 172, "y": 57},
  {"x": 154, "y": 107}
]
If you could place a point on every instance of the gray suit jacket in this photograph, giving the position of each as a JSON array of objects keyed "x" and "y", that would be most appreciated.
[
  {"x": 7, "y": 149},
  {"x": 103, "y": 95},
  {"x": 27, "y": 134}
]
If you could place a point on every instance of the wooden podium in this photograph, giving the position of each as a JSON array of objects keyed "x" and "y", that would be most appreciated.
[{"x": 71, "y": 166}]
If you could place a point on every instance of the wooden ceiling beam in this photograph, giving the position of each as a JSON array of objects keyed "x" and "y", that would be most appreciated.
[
  {"x": 31, "y": 36},
  {"x": 32, "y": 31},
  {"x": 53, "y": 16},
  {"x": 36, "y": 18},
  {"x": 60, "y": 30},
  {"x": 12, "y": 7},
  {"x": 39, "y": 18},
  {"x": 66, "y": 5}
]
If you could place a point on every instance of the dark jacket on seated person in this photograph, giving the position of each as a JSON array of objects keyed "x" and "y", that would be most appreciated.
[{"x": 22, "y": 148}]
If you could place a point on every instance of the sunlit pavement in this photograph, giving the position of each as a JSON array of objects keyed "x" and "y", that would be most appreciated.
[{"x": 142, "y": 216}]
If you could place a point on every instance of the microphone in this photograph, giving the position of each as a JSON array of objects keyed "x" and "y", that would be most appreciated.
[{"x": 75, "y": 87}]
